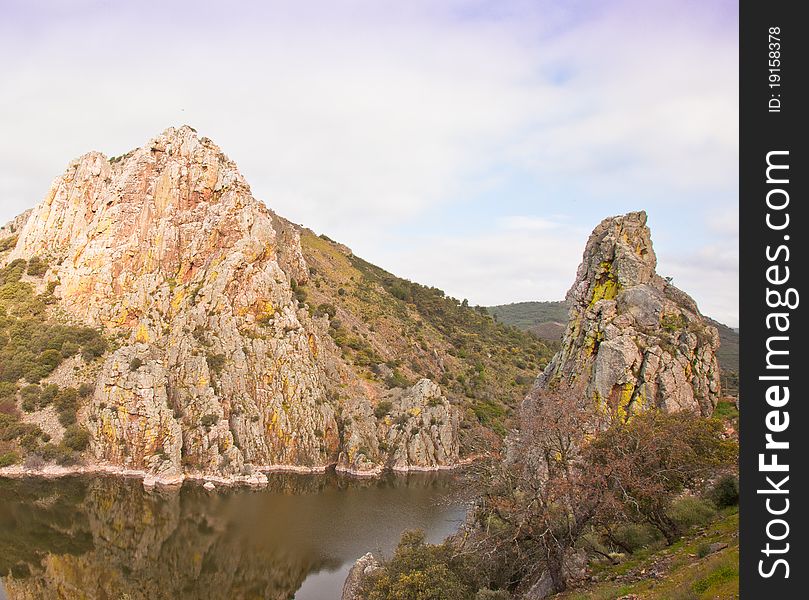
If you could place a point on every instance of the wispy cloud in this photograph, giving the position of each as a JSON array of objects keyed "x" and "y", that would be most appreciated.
[{"x": 500, "y": 123}]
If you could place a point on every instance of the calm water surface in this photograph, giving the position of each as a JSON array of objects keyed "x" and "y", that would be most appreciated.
[{"x": 107, "y": 538}]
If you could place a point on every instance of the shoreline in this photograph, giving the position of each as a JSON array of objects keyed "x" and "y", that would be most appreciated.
[{"x": 257, "y": 479}]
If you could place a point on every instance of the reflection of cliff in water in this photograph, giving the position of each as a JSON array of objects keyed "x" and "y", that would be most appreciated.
[{"x": 107, "y": 538}]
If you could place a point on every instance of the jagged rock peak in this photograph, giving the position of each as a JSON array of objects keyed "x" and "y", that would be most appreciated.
[
  {"x": 633, "y": 339},
  {"x": 217, "y": 367}
]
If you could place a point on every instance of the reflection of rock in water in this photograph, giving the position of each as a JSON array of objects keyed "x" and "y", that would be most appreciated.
[{"x": 108, "y": 539}]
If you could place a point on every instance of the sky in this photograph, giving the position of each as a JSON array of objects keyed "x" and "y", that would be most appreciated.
[{"x": 471, "y": 145}]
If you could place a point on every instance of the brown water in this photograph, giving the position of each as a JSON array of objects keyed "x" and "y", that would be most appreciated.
[{"x": 106, "y": 538}]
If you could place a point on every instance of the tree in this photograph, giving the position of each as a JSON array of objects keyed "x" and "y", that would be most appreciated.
[
  {"x": 537, "y": 504},
  {"x": 649, "y": 461}
]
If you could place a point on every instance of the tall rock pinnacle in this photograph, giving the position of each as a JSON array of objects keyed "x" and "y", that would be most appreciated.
[{"x": 633, "y": 340}]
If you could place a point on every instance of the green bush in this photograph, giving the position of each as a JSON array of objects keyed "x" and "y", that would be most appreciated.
[
  {"x": 7, "y": 389},
  {"x": 48, "y": 395},
  {"x": 419, "y": 571},
  {"x": 135, "y": 364},
  {"x": 688, "y": 511},
  {"x": 397, "y": 380},
  {"x": 69, "y": 349},
  {"x": 725, "y": 492},
  {"x": 61, "y": 455},
  {"x": 9, "y": 458},
  {"x": 633, "y": 536},
  {"x": 216, "y": 362},
  {"x": 76, "y": 438},
  {"x": 30, "y": 395},
  {"x": 37, "y": 267},
  {"x": 209, "y": 420},
  {"x": 326, "y": 309},
  {"x": 8, "y": 243},
  {"x": 383, "y": 408}
]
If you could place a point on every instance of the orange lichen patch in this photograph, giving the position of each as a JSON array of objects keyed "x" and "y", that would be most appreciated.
[{"x": 312, "y": 345}]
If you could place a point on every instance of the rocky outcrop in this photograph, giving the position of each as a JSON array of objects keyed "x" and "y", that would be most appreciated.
[
  {"x": 13, "y": 227},
  {"x": 414, "y": 429},
  {"x": 634, "y": 340},
  {"x": 364, "y": 566},
  {"x": 218, "y": 366}
]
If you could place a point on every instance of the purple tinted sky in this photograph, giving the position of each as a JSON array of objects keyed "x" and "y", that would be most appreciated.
[{"x": 468, "y": 145}]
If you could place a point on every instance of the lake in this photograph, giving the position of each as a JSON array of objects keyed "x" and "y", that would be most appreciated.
[{"x": 107, "y": 538}]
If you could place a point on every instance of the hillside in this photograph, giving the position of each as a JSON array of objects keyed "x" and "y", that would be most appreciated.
[
  {"x": 547, "y": 320},
  {"x": 180, "y": 328},
  {"x": 704, "y": 565}
]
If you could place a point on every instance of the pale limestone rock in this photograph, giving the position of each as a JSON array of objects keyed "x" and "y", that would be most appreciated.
[
  {"x": 634, "y": 340},
  {"x": 362, "y": 568},
  {"x": 217, "y": 367},
  {"x": 420, "y": 432}
]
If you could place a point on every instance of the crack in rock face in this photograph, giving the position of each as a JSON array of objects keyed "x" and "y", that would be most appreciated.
[{"x": 633, "y": 340}]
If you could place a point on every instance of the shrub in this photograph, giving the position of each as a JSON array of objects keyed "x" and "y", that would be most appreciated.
[
  {"x": 421, "y": 571},
  {"x": 30, "y": 395},
  {"x": 8, "y": 407},
  {"x": 326, "y": 309},
  {"x": 216, "y": 362},
  {"x": 688, "y": 511},
  {"x": 37, "y": 267},
  {"x": 85, "y": 389},
  {"x": 61, "y": 455},
  {"x": 76, "y": 438},
  {"x": 67, "y": 399},
  {"x": 383, "y": 408},
  {"x": 8, "y": 459},
  {"x": 396, "y": 379},
  {"x": 50, "y": 359},
  {"x": 67, "y": 417},
  {"x": 209, "y": 420},
  {"x": 93, "y": 348},
  {"x": 48, "y": 395},
  {"x": 725, "y": 492},
  {"x": 69, "y": 349},
  {"x": 633, "y": 536},
  {"x": 8, "y": 243},
  {"x": 135, "y": 364}
]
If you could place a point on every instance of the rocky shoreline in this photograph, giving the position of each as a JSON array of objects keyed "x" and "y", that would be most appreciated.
[{"x": 256, "y": 479}]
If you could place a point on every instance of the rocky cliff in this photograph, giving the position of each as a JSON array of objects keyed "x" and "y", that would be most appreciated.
[
  {"x": 217, "y": 365},
  {"x": 634, "y": 340}
]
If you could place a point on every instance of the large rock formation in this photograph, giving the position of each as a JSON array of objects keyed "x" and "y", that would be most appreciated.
[
  {"x": 217, "y": 366},
  {"x": 633, "y": 339}
]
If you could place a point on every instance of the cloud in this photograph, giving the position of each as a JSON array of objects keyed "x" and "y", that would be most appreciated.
[
  {"x": 502, "y": 265},
  {"x": 378, "y": 121}
]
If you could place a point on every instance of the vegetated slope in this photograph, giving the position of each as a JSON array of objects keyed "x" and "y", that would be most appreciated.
[
  {"x": 547, "y": 321},
  {"x": 394, "y": 330},
  {"x": 704, "y": 565},
  {"x": 528, "y": 315},
  {"x": 233, "y": 339}
]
